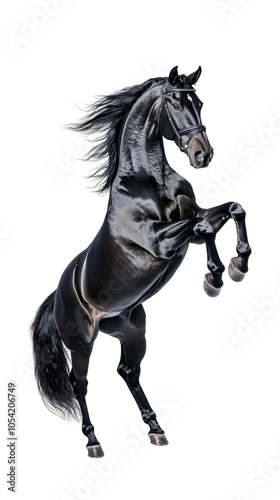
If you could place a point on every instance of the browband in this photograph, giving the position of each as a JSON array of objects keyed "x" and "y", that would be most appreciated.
[{"x": 166, "y": 91}]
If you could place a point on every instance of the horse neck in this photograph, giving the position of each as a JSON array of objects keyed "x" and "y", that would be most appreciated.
[{"x": 141, "y": 150}]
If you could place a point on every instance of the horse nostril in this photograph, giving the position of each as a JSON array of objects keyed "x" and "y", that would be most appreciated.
[{"x": 199, "y": 155}]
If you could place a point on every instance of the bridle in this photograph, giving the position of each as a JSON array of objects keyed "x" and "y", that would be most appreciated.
[{"x": 193, "y": 128}]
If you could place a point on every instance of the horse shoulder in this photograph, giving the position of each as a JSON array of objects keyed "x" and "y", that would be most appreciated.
[{"x": 182, "y": 192}]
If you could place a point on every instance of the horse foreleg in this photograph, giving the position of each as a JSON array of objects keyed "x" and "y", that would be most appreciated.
[
  {"x": 213, "y": 280},
  {"x": 218, "y": 216}
]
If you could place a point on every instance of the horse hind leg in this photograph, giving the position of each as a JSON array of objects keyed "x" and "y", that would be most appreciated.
[
  {"x": 78, "y": 332},
  {"x": 78, "y": 336},
  {"x": 129, "y": 328},
  {"x": 78, "y": 379},
  {"x": 132, "y": 354}
]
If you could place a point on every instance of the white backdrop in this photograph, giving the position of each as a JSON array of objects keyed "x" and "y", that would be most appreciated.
[{"x": 212, "y": 367}]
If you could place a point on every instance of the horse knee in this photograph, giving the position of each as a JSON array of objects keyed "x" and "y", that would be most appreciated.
[
  {"x": 204, "y": 231},
  {"x": 203, "y": 228}
]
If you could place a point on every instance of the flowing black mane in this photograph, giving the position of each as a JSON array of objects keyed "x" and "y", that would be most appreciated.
[{"x": 106, "y": 116}]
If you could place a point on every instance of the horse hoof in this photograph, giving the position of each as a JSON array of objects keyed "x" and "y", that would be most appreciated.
[
  {"x": 234, "y": 273},
  {"x": 95, "y": 451},
  {"x": 210, "y": 289},
  {"x": 158, "y": 439}
]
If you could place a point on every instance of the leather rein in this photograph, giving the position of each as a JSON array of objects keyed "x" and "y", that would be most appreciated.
[{"x": 179, "y": 132}]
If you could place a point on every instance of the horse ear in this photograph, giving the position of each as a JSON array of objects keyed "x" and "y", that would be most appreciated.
[
  {"x": 173, "y": 75},
  {"x": 193, "y": 77}
]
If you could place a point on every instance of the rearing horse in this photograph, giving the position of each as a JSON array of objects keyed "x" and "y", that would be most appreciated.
[{"x": 152, "y": 217}]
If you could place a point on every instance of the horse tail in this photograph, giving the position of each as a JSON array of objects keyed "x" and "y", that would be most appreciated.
[{"x": 51, "y": 363}]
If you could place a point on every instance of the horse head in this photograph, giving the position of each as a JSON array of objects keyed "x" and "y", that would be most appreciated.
[{"x": 179, "y": 117}]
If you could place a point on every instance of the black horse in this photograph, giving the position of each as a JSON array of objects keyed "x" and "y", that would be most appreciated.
[{"x": 152, "y": 217}]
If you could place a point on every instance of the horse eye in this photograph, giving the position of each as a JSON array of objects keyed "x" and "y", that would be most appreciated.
[{"x": 176, "y": 106}]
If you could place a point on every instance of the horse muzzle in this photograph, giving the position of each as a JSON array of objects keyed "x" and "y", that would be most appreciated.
[{"x": 199, "y": 158}]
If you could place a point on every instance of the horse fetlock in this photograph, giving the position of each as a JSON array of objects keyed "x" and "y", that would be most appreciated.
[
  {"x": 153, "y": 424},
  {"x": 88, "y": 430},
  {"x": 241, "y": 262},
  {"x": 216, "y": 269},
  {"x": 149, "y": 416},
  {"x": 243, "y": 249}
]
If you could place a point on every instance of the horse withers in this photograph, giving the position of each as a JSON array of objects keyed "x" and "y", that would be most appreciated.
[{"x": 151, "y": 218}]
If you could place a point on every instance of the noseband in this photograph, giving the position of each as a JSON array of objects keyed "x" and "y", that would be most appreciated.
[{"x": 193, "y": 128}]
